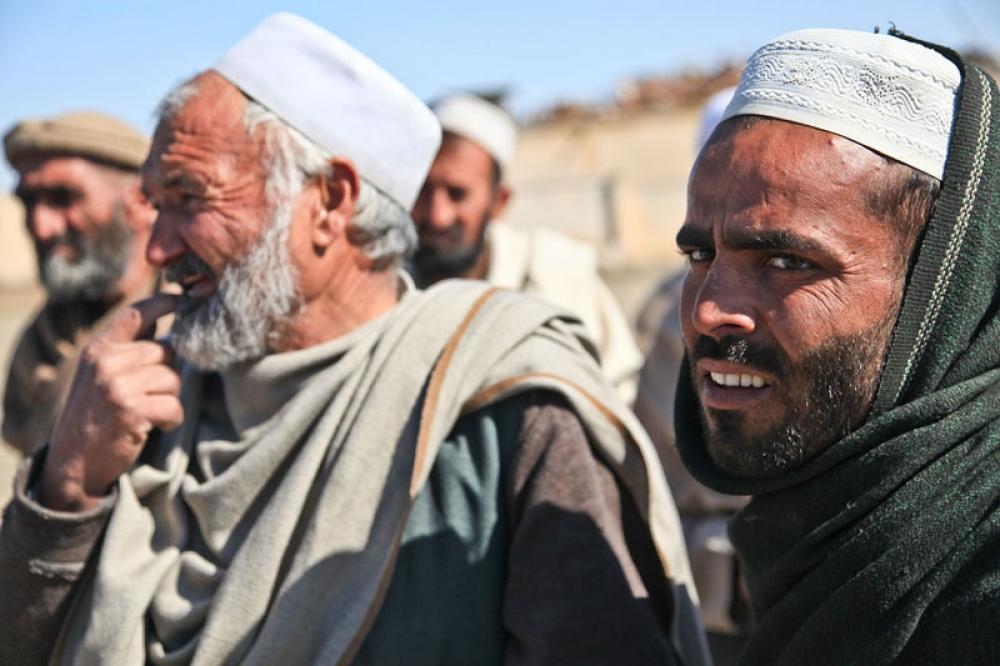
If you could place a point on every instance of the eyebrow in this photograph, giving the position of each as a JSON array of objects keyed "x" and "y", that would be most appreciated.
[
  {"x": 176, "y": 180},
  {"x": 182, "y": 180},
  {"x": 761, "y": 240}
]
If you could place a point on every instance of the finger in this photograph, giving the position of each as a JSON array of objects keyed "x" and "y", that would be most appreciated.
[
  {"x": 163, "y": 411},
  {"x": 123, "y": 357},
  {"x": 151, "y": 379},
  {"x": 138, "y": 319}
]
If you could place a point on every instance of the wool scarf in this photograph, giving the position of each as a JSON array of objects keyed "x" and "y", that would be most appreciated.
[{"x": 265, "y": 530}]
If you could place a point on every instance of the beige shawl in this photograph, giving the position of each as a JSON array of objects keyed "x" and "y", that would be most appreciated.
[
  {"x": 564, "y": 272},
  {"x": 264, "y": 531}
]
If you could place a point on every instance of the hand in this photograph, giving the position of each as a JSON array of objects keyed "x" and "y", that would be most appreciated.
[{"x": 123, "y": 388}]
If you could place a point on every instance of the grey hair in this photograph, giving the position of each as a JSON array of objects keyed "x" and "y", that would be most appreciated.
[
  {"x": 380, "y": 226},
  {"x": 174, "y": 100}
]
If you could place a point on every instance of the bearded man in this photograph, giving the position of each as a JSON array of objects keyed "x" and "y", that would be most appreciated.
[
  {"x": 344, "y": 469},
  {"x": 843, "y": 348},
  {"x": 462, "y": 236},
  {"x": 79, "y": 183}
]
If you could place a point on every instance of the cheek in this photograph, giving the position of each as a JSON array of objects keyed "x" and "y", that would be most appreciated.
[
  {"x": 809, "y": 317},
  {"x": 217, "y": 241},
  {"x": 689, "y": 291}
]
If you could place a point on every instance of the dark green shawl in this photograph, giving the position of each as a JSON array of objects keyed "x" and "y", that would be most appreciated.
[{"x": 886, "y": 547}]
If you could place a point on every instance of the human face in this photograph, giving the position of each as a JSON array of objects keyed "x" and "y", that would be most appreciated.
[
  {"x": 792, "y": 292},
  {"x": 457, "y": 201},
  {"x": 215, "y": 233},
  {"x": 75, "y": 214}
]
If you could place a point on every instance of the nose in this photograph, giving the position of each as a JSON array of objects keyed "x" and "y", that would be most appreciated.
[
  {"x": 165, "y": 243},
  {"x": 435, "y": 210},
  {"x": 45, "y": 222},
  {"x": 723, "y": 304}
]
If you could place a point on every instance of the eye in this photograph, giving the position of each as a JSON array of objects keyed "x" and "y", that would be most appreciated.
[
  {"x": 62, "y": 197},
  {"x": 787, "y": 262},
  {"x": 699, "y": 255},
  {"x": 457, "y": 194}
]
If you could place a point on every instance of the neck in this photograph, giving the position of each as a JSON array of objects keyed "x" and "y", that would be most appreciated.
[
  {"x": 481, "y": 268},
  {"x": 352, "y": 301}
]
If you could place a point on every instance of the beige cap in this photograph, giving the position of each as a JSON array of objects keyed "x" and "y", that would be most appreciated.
[{"x": 85, "y": 133}]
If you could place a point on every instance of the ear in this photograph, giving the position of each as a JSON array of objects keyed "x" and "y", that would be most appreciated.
[
  {"x": 338, "y": 198},
  {"x": 501, "y": 196}
]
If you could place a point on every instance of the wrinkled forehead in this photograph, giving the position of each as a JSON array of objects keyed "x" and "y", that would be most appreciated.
[
  {"x": 207, "y": 127},
  {"x": 777, "y": 155},
  {"x": 212, "y": 111}
]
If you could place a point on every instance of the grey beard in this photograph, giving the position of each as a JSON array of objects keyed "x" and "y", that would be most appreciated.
[
  {"x": 100, "y": 264},
  {"x": 252, "y": 303}
]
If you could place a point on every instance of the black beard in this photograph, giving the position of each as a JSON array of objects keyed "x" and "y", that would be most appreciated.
[
  {"x": 828, "y": 395},
  {"x": 431, "y": 264}
]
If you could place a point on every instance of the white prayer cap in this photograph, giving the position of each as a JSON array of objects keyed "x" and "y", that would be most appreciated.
[
  {"x": 477, "y": 120},
  {"x": 340, "y": 99},
  {"x": 711, "y": 113},
  {"x": 891, "y": 95}
]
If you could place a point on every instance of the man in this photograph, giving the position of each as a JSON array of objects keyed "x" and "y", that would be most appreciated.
[
  {"x": 343, "y": 469},
  {"x": 461, "y": 236},
  {"x": 79, "y": 183},
  {"x": 841, "y": 331}
]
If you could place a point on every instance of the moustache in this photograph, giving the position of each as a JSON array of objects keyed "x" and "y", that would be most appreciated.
[
  {"x": 188, "y": 264},
  {"x": 71, "y": 238},
  {"x": 734, "y": 349}
]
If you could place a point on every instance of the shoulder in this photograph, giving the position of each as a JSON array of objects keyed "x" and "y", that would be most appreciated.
[{"x": 542, "y": 255}]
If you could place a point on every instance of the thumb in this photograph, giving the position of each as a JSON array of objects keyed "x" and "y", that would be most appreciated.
[{"x": 138, "y": 318}]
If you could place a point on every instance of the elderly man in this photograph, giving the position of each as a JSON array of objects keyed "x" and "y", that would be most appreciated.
[
  {"x": 344, "y": 469},
  {"x": 460, "y": 236},
  {"x": 79, "y": 183},
  {"x": 840, "y": 319}
]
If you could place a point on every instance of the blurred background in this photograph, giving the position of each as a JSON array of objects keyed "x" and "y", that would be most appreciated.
[{"x": 608, "y": 94}]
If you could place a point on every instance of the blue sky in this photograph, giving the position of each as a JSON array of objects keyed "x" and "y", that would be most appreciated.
[{"x": 122, "y": 56}]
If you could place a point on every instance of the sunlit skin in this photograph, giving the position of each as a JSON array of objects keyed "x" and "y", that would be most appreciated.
[
  {"x": 458, "y": 199},
  {"x": 784, "y": 254},
  {"x": 61, "y": 193},
  {"x": 206, "y": 177}
]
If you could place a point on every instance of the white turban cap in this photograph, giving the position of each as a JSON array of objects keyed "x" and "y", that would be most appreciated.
[
  {"x": 891, "y": 95},
  {"x": 340, "y": 99},
  {"x": 477, "y": 120}
]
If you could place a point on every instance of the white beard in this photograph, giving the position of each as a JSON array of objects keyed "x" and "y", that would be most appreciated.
[{"x": 253, "y": 302}]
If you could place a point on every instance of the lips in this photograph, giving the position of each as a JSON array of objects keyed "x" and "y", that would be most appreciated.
[
  {"x": 192, "y": 275},
  {"x": 729, "y": 386},
  {"x": 196, "y": 285}
]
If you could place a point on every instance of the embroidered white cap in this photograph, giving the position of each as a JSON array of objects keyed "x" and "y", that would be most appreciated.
[
  {"x": 891, "y": 95},
  {"x": 340, "y": 99},
  {"x": 482, "y": 122}
]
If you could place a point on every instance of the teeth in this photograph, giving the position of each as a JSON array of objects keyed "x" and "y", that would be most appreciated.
[{"x": 741, "y": 380}]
